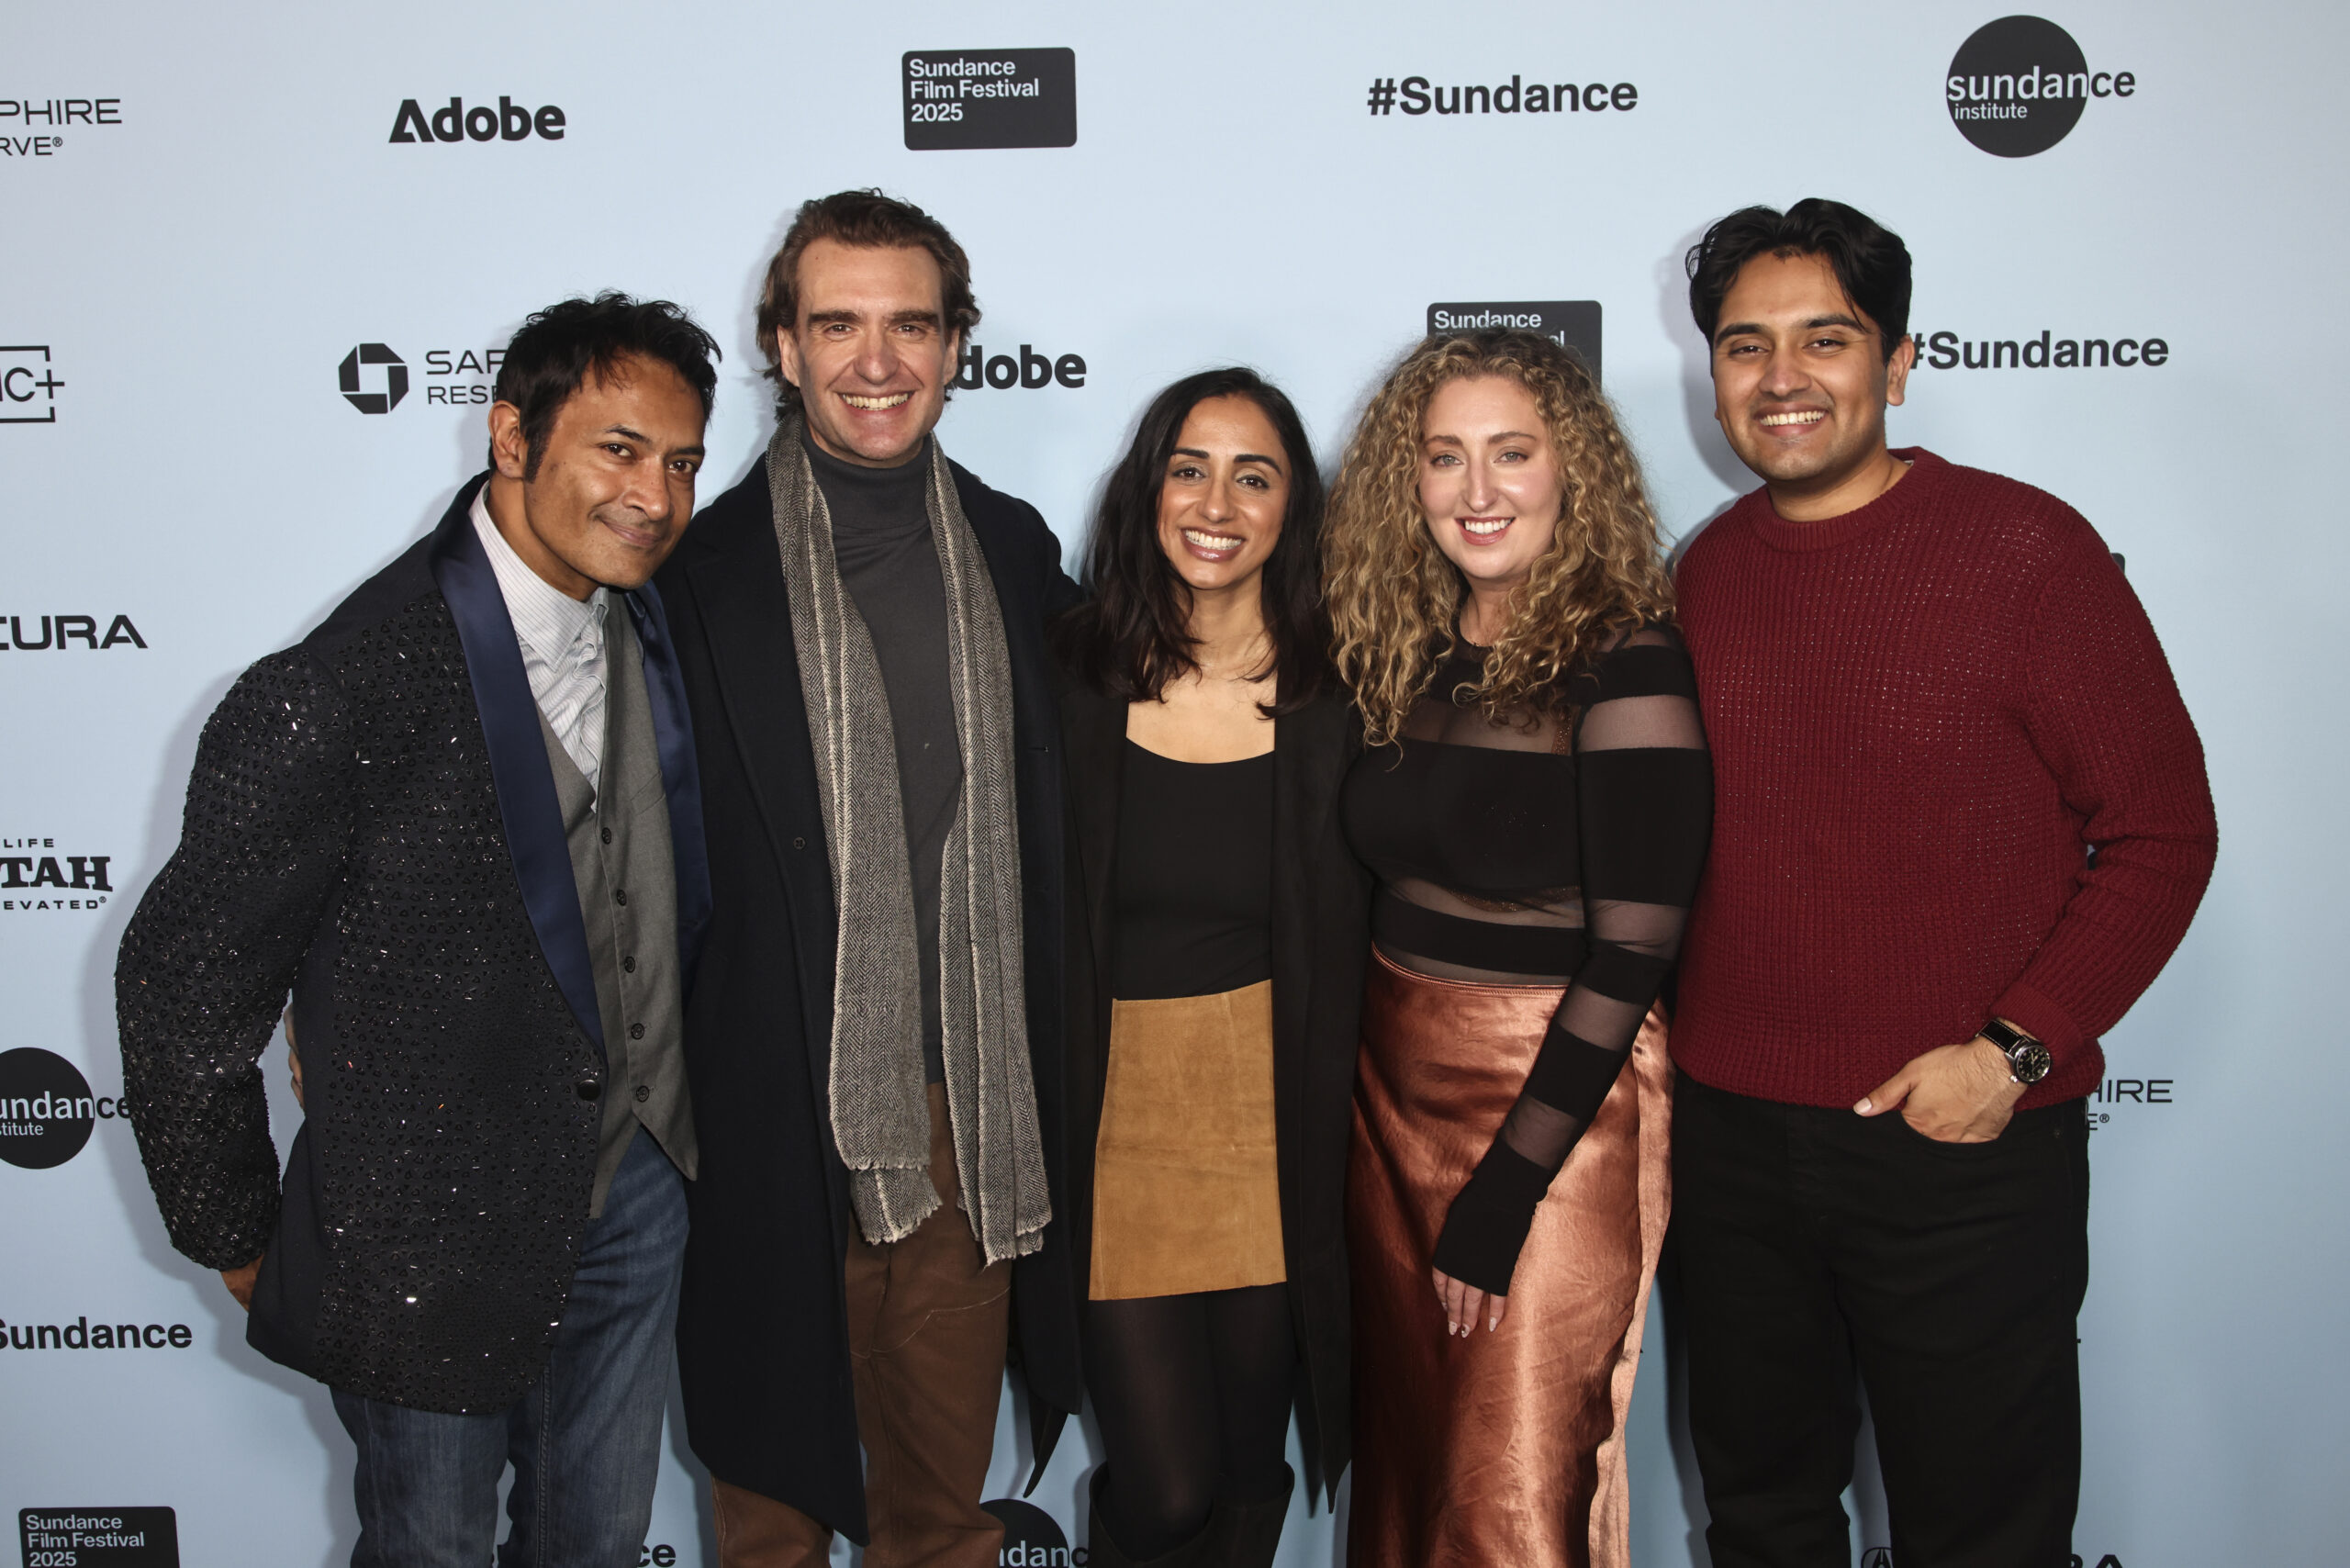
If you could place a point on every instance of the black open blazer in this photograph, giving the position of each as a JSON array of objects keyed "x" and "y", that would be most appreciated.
[
  {"x": 1321, "y": 939},
  {"x": 762, "y": 1323}
]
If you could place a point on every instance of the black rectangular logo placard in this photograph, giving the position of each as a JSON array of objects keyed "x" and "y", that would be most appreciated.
[
  {"x": 99, "y": 1538},
  {"x": 1571, "y": 323},
  {"x": 991, "y": 97}
]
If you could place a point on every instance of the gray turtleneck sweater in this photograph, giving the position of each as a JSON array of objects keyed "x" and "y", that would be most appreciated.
[{"x": 881, "y": 538}]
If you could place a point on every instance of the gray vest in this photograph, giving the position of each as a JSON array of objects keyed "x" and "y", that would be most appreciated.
[{"x": 620, "y": 862}]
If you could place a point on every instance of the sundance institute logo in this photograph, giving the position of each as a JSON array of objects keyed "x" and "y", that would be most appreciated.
[
  {"x": 46, "y": 1109},
  {"x": 352, "y": 374},
  {"x": 2018, "y": 86},
  {"x": 1031, "y": 1537}
]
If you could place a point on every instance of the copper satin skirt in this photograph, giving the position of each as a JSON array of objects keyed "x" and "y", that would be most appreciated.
[{"x": 1508, "y": 1446}]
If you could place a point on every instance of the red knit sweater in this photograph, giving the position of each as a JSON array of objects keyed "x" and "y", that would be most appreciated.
[{"x": 1922, "y": 714}]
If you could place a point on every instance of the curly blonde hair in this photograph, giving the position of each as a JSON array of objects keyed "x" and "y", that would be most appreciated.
[{"x": 1393, "y": 599}]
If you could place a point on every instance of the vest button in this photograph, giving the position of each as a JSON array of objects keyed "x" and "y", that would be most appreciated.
[
  {"x": 608, "y": 835},
  {"x": 620, "y": 895},
  {"x": 628, "y": 966},
  {"x": 589, "y": 1088},
  {"x": 642, "y": 1094},
  {"x": 798, "y": 843},
  {"x": 636, "y": 1031}
]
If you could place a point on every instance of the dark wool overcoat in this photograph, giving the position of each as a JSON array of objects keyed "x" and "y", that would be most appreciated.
[
  {"x": 1321, "y": 940},
  {"x": 372, "y": 823},
  {"x": 763, "y": 1329}
]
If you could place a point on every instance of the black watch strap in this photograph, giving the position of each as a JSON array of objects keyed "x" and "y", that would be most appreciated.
[{"x": 2028, "y": 1059}]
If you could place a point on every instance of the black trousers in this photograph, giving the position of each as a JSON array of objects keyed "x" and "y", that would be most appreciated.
[{"x": 1820, "y": 1251}]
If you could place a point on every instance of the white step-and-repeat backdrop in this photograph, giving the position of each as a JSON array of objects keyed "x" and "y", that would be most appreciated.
[{"x": 257, "y": 260}]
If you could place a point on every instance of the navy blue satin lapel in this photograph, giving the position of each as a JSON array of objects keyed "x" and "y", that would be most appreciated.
[
  {"x": 680, "y": 775},
  {"x": 518, "y": 755}
]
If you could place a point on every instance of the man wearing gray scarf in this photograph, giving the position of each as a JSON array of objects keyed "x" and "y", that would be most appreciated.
[{"x": 873, "y": 1035}]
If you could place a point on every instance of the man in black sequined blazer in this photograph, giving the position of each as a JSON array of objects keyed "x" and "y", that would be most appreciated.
[{"x": 460, "y": 823}]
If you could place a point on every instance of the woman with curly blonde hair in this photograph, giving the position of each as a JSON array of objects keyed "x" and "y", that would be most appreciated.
[{"x": 1535, "y": 805}]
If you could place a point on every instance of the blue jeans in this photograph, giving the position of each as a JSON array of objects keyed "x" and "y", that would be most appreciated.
[{"x": 585, "y": 1439}]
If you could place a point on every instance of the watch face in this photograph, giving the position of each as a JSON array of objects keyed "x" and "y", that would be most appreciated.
[{"x": 2030, "y": 1061}]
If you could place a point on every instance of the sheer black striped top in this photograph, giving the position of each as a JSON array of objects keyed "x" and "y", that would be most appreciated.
[{"x": 1559, "y": 847}]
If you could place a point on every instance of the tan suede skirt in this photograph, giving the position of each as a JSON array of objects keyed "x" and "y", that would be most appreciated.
[{"x": 1186, "y": 1177}]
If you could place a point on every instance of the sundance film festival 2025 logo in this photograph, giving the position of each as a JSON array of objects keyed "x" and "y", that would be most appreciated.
[
  {"x": 452, "y": 121},
  {"x": 2018, "y": 86},
  {"x": 1573, "y": 324},
  {"x": 47, "y": 1111},
  {"x": 99, "y": 1538},
  {"x": 960, "y": 98},
  {"x": 32, "y": 880},
  {"x": 1417, "y": 96},
  {"x": 28, "y": 384},
  {"x": 19, "y": 117}
]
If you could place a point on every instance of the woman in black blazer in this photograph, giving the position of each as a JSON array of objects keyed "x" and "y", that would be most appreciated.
[{"x": 1217, "y": 927}]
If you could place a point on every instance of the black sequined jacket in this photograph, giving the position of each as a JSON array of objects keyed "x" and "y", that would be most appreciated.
[{"x": 372, "y": 825}]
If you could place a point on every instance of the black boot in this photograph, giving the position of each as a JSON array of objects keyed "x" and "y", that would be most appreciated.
[
  {"x": 1250, "y": 1531},
  {"x": 1204, "y": 1549}
]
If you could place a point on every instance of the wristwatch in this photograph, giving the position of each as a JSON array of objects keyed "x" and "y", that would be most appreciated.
[{"x": 2028, "y": 1059}]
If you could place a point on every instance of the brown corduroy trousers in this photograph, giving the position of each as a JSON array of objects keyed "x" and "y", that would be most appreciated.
[{"x": 927, "y": 1326}]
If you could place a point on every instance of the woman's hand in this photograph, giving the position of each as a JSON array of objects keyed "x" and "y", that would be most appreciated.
[{"x": 1463, "y": 1302}]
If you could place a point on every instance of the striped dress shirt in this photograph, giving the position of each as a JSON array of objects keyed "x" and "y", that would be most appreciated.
[{"x": 563, "y": 646}]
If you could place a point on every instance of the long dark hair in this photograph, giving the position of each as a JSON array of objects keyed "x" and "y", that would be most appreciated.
[{"x": 1130, "y": 637}]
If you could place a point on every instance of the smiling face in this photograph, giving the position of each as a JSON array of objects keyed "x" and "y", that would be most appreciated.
[
  {"x": 1801, "y": 385},
  {"x": 613, "y": 489},
  {"x": 1223, "y": 496},
  {"x": 870, "y": 351},
  {"x": 1490, "y": 486}
]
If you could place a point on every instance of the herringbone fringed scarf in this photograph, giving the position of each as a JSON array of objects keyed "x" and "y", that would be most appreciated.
[{"x": 881, "y": 1118}]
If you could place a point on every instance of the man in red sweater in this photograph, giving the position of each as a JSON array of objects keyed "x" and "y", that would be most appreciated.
[{"x": 1961, "y": 821}]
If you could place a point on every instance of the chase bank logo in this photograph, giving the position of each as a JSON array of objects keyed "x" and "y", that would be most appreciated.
[{"x": 352, "y": 375}]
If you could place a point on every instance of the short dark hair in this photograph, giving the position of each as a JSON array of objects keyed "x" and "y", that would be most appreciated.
[
  {"x": 868, "y": 220},
  {"x": 562, "y": 345},
  {"x": 1129, "y": 639},
  {"x": 1870, "y": 261}
]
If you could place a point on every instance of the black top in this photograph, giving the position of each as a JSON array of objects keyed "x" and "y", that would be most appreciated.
[
  {"x": 1561, "y": 848},
  {"x": 889, "y": 565},
  {"x": 1195, "y": 876}
]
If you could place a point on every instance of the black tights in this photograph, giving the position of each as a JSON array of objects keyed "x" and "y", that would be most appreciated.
[{"x": 1192, "y": 1392}]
